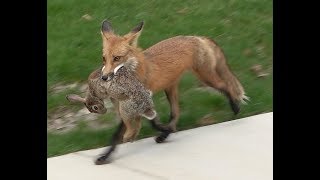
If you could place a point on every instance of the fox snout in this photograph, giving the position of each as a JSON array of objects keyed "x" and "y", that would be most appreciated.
[{"x": 107, "y": 77}]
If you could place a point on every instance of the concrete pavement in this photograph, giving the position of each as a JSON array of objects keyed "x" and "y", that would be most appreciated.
[{"x": 241, "y": 149}]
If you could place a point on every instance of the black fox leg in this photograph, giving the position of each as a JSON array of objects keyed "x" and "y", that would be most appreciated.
[
  {"x": 116, "y": 138},
  {"x": 165, "y": 130},
  {"x": 235, "y": 105}
]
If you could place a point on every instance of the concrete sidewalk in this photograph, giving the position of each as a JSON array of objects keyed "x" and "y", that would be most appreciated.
[{"x": 236, "y": 150}]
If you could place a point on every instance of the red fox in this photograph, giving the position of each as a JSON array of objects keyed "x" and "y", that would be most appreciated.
[{"x": 161, "y": 66}]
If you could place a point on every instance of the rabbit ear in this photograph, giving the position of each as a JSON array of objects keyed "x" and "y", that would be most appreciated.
[{"x": 75, "y": 98}]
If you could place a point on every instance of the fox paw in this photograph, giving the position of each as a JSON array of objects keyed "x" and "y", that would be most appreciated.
[
  {"x": 103, "y": 159},
  {"x": 163, "y": 136},
  {"x": 159, "y": 139}
]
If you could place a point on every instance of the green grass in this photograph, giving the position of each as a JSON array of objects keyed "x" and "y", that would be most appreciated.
[{"x": 74, "y": 50}]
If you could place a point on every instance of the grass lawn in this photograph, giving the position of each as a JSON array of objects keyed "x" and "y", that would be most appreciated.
[{"x": 243, "y": 28}]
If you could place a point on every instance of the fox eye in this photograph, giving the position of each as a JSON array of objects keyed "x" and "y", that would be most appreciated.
[{"x": 116, "y": 58}]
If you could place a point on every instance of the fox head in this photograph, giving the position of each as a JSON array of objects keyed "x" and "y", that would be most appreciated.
[{"x": 118, "y": 50}]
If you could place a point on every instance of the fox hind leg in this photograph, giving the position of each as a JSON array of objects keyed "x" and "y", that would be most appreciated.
[
  {"x": 213, "y": 80},
  {"x": 172, "y": 96}
]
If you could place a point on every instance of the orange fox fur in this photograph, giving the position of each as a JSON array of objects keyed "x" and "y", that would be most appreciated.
[{"x": 161, "y": 66}]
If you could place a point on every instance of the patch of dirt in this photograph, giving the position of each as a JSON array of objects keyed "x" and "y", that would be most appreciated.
[
  {"x": 67, "y": 117},
  {"x": 63, "y": 121},
  {"x": 83, "y": 88},
  {"x": 58, "y": 88}
]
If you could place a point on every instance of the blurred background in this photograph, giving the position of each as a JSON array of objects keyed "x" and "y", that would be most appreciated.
[{"x": 242, "y": 28}]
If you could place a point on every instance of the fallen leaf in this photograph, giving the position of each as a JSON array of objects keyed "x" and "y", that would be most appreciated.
[
  {"x": 258, "y": 71},
  {"x": 87, "y": 17},
  {"x": 247, "y": 52},
  {"x": 182, "y": 11}
]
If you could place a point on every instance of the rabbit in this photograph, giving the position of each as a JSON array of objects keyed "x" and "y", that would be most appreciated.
[
  {"x": 131, "y": 99},
  {"x": 134, "y": 99},
  {"x": 95, "y": 104},
  {"x": 95, "y": 95}
]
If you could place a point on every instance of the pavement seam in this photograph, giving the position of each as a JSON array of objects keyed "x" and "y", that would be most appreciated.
[
  {"x": 125, "y": 168},
  {"x": 139, "y": 171}
]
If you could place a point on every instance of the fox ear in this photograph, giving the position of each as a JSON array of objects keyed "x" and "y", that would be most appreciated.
[
  {"x": 75, "y": 98},
  {"x": 133, "y": 35},
  {"x": 106, "y": 29}
]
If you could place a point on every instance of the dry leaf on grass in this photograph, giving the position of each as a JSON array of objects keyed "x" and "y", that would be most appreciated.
[
  {"x": 258, "y": 71},
  {"x": 87, "y": 17}
]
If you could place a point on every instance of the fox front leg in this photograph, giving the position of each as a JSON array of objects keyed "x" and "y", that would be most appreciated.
[{"x": 116, "y": 138}]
